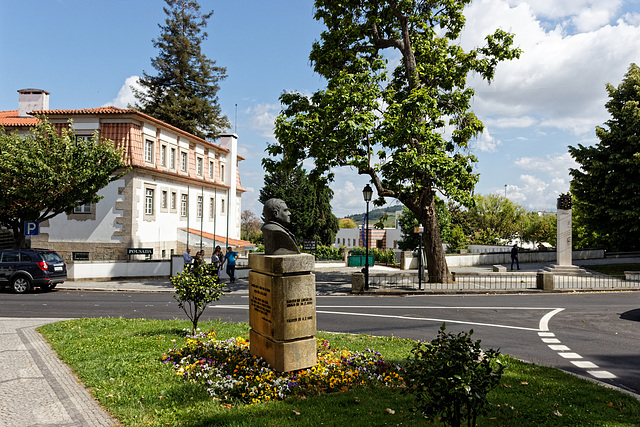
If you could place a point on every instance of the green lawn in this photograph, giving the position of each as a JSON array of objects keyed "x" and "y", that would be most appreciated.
[
  {"x": 120, "y": 361},
  {"x": 616, "y": 270}
]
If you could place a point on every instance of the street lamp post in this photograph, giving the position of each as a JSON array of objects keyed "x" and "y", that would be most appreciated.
[
  {"x": 419, "y": 230},
  {"x": 367, "y": 193}
]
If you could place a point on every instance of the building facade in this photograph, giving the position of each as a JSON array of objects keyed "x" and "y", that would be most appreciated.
[{"x": 179, "y": 187}]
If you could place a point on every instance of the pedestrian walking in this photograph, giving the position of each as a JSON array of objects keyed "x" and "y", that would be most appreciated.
[
  {"x": 514, "y": 256},
  {"x": 186, "y": 257},
  {"x": 216, "y": 259},
  {"x": 230, "y": 260}
]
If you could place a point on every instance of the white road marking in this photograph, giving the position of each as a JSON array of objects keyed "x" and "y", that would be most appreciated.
[
  {"x": 544, "y": 322},
  {"x": 584, "y": 364},
  {"x": 427, "y": 319},
  {"x": 569, "y": 355},
  {"x": 551, "y": 340},
  {"x": 546, "y": 334},
  {"x": 602, "y": 374},
  {"x": 559, "y": 348}
]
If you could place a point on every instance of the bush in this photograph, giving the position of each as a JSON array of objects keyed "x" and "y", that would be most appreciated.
[
  {"x": 195, "y": 288},
  {"x": 327, "y": 253},
  {"x": 451, "y": 377}
]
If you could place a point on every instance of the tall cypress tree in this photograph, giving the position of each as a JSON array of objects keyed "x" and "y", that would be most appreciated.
[
  {"x": 308, "y": 201},
  {"x": 606, "y": 188},
  {"x": 184, "y": 91}
]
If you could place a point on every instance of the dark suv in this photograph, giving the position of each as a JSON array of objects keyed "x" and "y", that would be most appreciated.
[{"x": 23, "y": 269}]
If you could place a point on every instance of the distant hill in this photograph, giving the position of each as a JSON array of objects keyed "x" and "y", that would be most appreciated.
[{"x": 376, "y": 214}]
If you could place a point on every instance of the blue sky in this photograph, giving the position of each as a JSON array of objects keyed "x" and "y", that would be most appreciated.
[{"x": 86, "y": 53}]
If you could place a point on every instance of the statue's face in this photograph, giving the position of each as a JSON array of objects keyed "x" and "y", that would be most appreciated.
[{"x": 283, "y": 216}]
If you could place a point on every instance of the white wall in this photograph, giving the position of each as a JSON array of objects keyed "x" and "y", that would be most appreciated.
[{"x": 100, "y": 230}]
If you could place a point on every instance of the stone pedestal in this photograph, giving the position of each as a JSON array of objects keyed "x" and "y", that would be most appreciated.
[
  {"x": 564, "y": 237},
  {"x": 282, "y": 310}
]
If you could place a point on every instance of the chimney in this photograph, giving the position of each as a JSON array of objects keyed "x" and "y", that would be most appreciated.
[{"x": 32, "y": 99}]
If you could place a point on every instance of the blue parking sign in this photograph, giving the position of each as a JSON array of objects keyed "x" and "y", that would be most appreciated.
[{"x": 31, "y": 228}]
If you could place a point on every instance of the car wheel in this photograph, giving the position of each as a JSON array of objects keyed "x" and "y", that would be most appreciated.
[{"x": 21, "y": 285}]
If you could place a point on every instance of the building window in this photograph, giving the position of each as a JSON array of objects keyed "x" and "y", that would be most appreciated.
[
  {"x": 163, "y": 202},
  {"x": 183, "y": 161},
  {"x": 148, "y": 202},
  {"x": 222, "y": 206},
  {"x": 148, "y": 151},
  {"x": 199, "y": 166},
  {"x": 184, "y": 205},
  {"x": 83, "y": 138},
  {"x": 211, "y": 170},
  {"x": 173, "y": 201},
  {"x": 163, "y": 156},
  {"x": 199, "y": 210},
  {"x": 82, "y": 209},
  {"x": 172, "y": 159},
  {"x": 212, "y": 207},
  {"x": 221, "y": 173}
]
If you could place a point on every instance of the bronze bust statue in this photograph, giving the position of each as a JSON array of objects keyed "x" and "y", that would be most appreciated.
[{"x": 278, "y": 240}]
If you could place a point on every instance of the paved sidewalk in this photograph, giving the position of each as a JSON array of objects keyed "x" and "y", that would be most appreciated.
[{"x": 36, "y": 388}]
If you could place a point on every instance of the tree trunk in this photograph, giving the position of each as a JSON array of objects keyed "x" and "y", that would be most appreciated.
[
  {"x": 19, "y": 240},
  {"x": 436, "y": 261}
]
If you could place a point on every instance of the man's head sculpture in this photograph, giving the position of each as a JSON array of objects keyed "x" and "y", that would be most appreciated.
[
  {"x": 278, "y": 240},
  {"x": 276, "y": 210}
]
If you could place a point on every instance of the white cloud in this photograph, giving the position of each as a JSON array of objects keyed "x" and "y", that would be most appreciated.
[
  {"x": 262, "y": 118},
  {"x": 555, "y": 165},
  {"x": 545, "y": 178},
  {"x": 487, "y": 143},
  {"x": 125, "y": 94},
  {"x": 559, "y": 79}
]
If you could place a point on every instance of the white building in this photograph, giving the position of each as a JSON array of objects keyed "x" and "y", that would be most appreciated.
[{"x": 177, "y": 182}]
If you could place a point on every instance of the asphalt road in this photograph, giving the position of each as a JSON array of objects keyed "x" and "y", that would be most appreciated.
[{"x": 595, "y": 335}]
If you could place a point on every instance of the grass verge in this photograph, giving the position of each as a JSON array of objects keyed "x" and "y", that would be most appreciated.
[
  {"x": 615, "y": 270},
  {"x": 119, "y": 360}
]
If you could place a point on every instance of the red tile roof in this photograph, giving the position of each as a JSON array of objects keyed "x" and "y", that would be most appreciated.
[
  {"x": 122, "y": 111},
  {"x": 11, "y": 118},
  {"x": 236, "y": 243}
]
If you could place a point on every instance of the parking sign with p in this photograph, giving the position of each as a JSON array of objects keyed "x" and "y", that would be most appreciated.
[{"x": 31, "y": 228}]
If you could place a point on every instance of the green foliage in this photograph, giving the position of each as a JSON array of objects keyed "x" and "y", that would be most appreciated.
[
  {"x": 327, "y": 253},
  {"x": 451, "y": 376},
  {"x": 540, "y": 228},
  {"x": 347, "y": 223},
  {"x": 494, "y": 217},
  {"x": 308, "y": 201},
  {"x": 250, "y": 226},
  {"x": 400, "y": 117},
  {"x": 184, "y": 92},
  {"x": 43, "y": 174},
  {"x": 458, "y": 240},
  {"x": 195, "y": 288},
  {"x": 606, "y": 186}
]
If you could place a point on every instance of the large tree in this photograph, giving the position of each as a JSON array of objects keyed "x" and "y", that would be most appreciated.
[
  {"x": 606, "y": 187},
  {"x": 309, "y": 202},
  {"x": 494, "y": 218},
  {"x": 184, "y": 91},
  {"x": 416, "y": 122},
  {"x": 43, "y": 174}
]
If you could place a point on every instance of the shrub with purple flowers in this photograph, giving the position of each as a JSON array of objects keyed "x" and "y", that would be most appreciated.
[{"x": 229, "y": 371}]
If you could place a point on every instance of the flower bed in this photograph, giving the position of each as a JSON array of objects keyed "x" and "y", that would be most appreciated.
[{"x": 229, "y": 372}]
